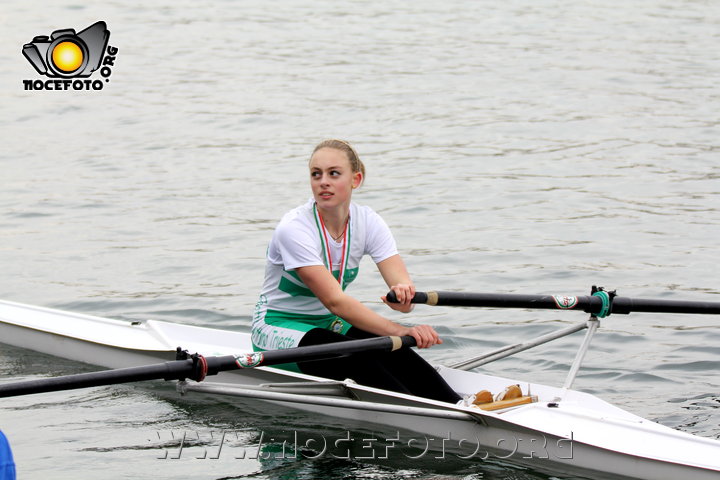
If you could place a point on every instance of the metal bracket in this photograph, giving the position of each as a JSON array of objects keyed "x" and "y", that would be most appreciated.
[{"x": 592, "y": 325}]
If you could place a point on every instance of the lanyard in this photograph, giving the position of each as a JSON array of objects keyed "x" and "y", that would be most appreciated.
[{"x": 327, "y": 256}]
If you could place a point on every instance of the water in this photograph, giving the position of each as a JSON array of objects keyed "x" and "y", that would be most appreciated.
[{"x": 529, "y": 147}]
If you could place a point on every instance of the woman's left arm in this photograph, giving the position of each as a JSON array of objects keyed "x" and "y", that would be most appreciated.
[{"x": 396, "y": 276}]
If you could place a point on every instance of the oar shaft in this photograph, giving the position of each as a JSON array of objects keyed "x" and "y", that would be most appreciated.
[
  {"x": 168, "y": 371},
  {"x": 627, "y": 305},
  {"x": 197, "y": 368},
  {"x": 330, "y": 350},
  {"x": 587, "y": 303},
  {"x": 307, "y": 353}
]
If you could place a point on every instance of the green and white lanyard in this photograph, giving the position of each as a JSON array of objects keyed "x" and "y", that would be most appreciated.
[{"x": 327, "y": 256}]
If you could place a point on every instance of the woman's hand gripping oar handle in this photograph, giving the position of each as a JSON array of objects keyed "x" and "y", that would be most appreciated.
[{"x": 428, "y": 298}]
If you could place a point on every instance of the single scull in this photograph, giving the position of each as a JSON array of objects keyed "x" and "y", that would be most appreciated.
[{"x": 561, "y": 430}]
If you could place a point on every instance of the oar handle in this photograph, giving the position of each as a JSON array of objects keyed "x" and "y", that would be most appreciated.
[
  {"x": 605, "y": 303},
  {"x": 420, "y": 297}
]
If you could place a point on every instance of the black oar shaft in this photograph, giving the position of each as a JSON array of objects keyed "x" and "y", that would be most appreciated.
[
  {"x": 627, "y": 305},
  {"x": 306, "y": 354},
  {"x": 167, "y": 371},
  {"x": 195, "y": 370},
  {"x": 463, "y": 299},
  {"x": 587, "y": 303},
  {"x": 329, "y": 350}
]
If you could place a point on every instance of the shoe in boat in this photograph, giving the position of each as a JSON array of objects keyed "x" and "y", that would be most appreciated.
[
  {"x": 513, "y": 391},
  {"x": 483, "y": 396}
]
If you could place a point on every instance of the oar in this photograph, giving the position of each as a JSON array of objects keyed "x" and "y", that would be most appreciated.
[
  {"x": 197, "y": 367},
  {"x": 600, "y": 302}
]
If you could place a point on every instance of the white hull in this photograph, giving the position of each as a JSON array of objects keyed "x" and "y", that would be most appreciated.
[{"x": 579, "y": 434}]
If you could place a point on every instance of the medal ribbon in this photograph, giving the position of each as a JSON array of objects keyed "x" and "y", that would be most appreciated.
[{"x": 327, "y": 256}]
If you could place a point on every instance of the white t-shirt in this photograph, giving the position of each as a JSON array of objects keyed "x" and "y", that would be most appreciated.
[{"x": 297, "y": 242}]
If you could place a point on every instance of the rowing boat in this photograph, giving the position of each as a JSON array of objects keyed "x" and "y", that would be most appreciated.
[{"x": 558, "y": 430}]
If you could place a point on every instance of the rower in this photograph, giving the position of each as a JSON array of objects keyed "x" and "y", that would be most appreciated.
[{"x": 314, "y": 254}]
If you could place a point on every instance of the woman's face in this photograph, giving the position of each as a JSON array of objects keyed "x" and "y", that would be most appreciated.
[{"x": 332, "y": 178}]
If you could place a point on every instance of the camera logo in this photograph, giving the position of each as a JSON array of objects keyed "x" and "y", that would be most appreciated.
[{"x": 67, "y": 55}]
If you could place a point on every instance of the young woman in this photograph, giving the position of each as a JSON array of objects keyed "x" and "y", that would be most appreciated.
[{"x": 314, "y": 254}]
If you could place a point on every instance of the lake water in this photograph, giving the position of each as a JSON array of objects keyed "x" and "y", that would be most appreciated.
[{"x": 522, "y": 147}]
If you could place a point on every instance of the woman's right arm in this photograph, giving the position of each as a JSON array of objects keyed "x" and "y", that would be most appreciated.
[{"x": 327, "y": 289}]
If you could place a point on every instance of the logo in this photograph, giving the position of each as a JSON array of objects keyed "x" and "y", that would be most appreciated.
[
  {"x": 337, "y": 325},
  {"x": 69, "y": 57},
  {"x": 564, "y": 302},
  {"x": 249, "y": 360}
]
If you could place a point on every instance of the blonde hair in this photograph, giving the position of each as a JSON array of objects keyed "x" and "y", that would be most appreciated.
[{"x": 355, "y": 163}]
